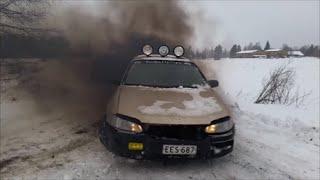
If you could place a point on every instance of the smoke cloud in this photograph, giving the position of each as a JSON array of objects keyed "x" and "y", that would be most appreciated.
[
  {"x": 126, "y": 24},
  {"x": 103, "y": 38}
]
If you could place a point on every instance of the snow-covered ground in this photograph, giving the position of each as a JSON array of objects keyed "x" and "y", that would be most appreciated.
[
  {"x": 272, "y": 141},
  {"x": 285, "y": 138}
]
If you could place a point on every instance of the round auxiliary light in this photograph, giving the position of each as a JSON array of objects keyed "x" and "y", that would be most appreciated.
[
  {"x": 147, "y": 50},
  {"x": 178, "y": 51},
  {"x": 163, "y": 50}
]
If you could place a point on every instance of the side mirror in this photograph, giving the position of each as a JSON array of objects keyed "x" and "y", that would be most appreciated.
[{"x": 213, "y": 83}]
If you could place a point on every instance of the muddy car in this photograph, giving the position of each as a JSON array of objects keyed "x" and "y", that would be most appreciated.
[{"x": 164, "y": 107}]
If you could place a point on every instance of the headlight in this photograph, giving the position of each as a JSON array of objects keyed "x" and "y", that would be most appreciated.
[
  {"x": 125, "y": 125},
  {"x": 224, "y": 126}
]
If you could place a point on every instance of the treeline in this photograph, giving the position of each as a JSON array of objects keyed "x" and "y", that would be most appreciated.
[
  {"x": 17, "y": 46},
  {"x": 219, "y": 52}
]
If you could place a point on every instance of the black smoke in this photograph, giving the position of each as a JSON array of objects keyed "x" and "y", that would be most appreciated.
[{"x": 101, "y": 45}]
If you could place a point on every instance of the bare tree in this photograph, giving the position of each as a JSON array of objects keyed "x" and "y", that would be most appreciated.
[
  {"x": 278, "y": 88},
  {"x": 22, "y": 16}
]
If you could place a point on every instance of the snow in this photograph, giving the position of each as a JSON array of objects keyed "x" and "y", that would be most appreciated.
[
  {"x": 272, "y": 141},
  {"x": 247, "y": 51},
  {"x": 295, "y": 53},
  {"x": 286, "y": 136},
  {"x": 197, "y": 106},
  {"x": 241, "y": 79},
  {"x": 273, "y": 50}
]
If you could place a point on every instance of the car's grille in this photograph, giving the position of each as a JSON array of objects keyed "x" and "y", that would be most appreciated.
[{"x": 187, "y": 132}]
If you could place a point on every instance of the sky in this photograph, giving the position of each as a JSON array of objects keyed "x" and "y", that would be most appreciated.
[{"x": 293, "y": 22}]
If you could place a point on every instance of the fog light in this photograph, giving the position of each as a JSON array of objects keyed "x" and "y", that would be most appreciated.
[
  {"x": 163, "y": 51},
  {"x": 178, "y": 51},
  {"x": 147, "y": 50},
  {"x": 135, "y": 146}
]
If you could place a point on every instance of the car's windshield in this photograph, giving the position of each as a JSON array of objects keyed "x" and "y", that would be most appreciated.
[{"x": 164, "y": 74}]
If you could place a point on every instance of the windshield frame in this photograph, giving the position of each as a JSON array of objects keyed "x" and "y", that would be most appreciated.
[{"x": 160, "y": 61}]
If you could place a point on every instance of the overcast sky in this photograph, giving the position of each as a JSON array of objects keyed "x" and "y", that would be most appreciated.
[{"x": 293, "y": 22}]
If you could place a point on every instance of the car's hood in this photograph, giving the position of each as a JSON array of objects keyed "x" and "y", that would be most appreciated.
[{"x": 170, "y": 105}]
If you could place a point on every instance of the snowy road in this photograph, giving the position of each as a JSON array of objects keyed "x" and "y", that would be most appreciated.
[{"x": 272, "y": 141}]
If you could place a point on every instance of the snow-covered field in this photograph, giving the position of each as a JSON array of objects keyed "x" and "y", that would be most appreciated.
[
  {"x": 283, "y": 138},
  {"x": 272, "y": 141}
]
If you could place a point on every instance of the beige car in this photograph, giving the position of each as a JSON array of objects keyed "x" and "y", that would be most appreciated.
[{"x": 165, "y": 107}]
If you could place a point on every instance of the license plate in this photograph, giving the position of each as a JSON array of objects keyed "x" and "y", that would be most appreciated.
[{"x": 179, "y": 149}]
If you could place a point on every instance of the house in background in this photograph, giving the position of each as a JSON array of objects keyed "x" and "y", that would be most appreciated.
[
  {"x": 295, "y": 54},
  {"x": 270, "y": 53},
  {"x": 247, "y": 54},
  {"x": 276, "y": 53}
]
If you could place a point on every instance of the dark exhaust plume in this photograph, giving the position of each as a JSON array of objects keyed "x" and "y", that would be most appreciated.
[
  {"x": 119, "y": 30},
  {"x": 101, "y": 45}
]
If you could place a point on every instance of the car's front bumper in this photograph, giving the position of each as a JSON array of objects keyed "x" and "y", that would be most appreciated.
[{"x": 209, "y": 147}]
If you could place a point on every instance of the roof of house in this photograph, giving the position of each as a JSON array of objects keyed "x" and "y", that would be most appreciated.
[
  {"x": 273, "y": 50},
  {"x": 296, "y": 53},
  {"x": 247, "y": 51}
]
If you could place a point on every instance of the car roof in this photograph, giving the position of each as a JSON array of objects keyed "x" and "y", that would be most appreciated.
[{"x": 157, "y": 57}]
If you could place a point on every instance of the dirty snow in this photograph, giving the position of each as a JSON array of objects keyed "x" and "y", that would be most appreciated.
[
  {"x": 272, "y": 141},
  {"x": 198, "y": 106}
]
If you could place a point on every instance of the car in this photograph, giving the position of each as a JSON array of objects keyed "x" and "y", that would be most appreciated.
[{"x": 164, "y": 107}]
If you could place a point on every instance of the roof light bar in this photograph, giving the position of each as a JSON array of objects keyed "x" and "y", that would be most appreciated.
[
  {"x": 178, "y": 51},
  {"x": 147, "y": 50},
  {"x": 163, "y": 50}
]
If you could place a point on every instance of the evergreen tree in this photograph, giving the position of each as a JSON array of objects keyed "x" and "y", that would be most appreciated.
[
  {"x": 189, "y": 53},
  {"x": 225, "y": 53},
  {"x": 250, "y": 46},
  {"x": 238, "y": 48},
  {"x": 211, "y": 53},
  {"x": 316, "y": 52},
  {"x": 198, "y": 54},
  {"x": 303, "y": 49},
  {"x": 267, "y": 46},
  {"x": 286, "y": 47},
  {"x": 257, "y": 46},
  {"x": 309, "y": 51},
  {"x": 218, "y": 52},
  {"x": 233, "y": 51}
]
